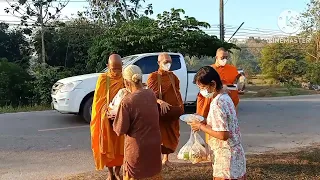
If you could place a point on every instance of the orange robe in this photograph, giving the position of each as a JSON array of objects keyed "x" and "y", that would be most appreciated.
[
  {"x": 229, "y": 75},
  {"x": 170, "y": 128},
  {"x": 107, "y": 147}
]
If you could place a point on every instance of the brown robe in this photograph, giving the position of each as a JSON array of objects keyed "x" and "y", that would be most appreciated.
[
  {"x": 169, "y": 128},
  {"x": 138, "y": 119}
]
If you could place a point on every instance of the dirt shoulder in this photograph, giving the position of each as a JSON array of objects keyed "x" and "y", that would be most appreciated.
[{"x": 299, "y": 164}]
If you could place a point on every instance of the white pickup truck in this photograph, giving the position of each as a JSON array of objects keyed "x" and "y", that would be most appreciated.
[{"x": 73, "y": 95}]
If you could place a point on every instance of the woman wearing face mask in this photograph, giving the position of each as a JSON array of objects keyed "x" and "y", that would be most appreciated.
[
  {"x": 138, "y": 119},
  {"x": 222, "y": 127}
]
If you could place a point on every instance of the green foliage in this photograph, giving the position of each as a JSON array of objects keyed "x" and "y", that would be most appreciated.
[
  {"x": 248, "y": 56},
  {"x": 68, "y": 46},
  {"x": 286, "y": 70},
  {"x": 110, "y": 13},
  {"x": 313, "y": 73},
  {"x": 44, "y": 78},
  {"x": 194, "y": 63},
  {"x": 14, "y": 46},
  {"x": 15, "y": 86},
  {"x": 310, "y": 18},
  {"x": 275, "y": 57},
  {"x": 169, "y": 32}
]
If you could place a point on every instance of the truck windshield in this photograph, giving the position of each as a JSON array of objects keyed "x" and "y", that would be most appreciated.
[{"x": 125, "y": 61}]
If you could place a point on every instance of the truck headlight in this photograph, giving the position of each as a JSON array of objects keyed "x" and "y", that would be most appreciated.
[{"x": 69, "y": 86}]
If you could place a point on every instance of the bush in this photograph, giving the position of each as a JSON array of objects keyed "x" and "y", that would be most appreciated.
[
  {"x": 44, "y": 78},
  {"x": 15, "y": 86},
  {"x": 313, "y": 73}
]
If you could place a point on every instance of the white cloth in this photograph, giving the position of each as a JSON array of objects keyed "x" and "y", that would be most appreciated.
[{"x": 115, "y": 103}]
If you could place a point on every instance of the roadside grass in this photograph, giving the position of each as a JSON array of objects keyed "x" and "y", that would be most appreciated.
[
  {"x": 10, "y": 109},
  {"x": 303, "y": 164},
  {"x": 259, "y": 87}
]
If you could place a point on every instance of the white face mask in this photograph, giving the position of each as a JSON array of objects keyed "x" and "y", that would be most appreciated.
[
  {"x": 206, "y": 94},
  {"x": 222, "y": 62},
  {"x": 166, "y": 66}
]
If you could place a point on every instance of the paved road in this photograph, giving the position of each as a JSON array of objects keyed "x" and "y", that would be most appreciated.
[{"x": 45, "y": 145}]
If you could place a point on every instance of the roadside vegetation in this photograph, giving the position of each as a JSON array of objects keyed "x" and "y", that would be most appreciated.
[{"x": 10, "y": 109}]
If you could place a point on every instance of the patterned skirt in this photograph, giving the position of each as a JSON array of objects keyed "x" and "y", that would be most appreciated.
[{"x": 241, "y": 178}]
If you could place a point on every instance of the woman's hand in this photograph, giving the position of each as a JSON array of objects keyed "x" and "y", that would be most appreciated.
[
  {"x": 164, "y": 106},
  {"x": 195, "y": 125},
  {"x": 111, "y": 117}
]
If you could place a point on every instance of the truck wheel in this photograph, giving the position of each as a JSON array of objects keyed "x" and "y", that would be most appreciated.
[{"x": 87, "y": 109}]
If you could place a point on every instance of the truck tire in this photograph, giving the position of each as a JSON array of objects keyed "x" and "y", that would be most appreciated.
[{"x": 87, "y": 108}]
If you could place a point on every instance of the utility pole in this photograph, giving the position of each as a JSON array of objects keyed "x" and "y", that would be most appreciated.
[
  {"x": 40, "y": 17},
  {"x": 221, "y": 20}
]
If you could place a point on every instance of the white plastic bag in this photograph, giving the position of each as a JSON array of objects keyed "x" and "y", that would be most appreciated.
[
  {"x": 184, "y": 151},
  {"x": 115, "y": 103},
  {"x": 198, "y": 151}
]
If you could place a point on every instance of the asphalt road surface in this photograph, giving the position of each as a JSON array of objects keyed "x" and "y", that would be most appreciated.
[{"x": 47, "y": 145}]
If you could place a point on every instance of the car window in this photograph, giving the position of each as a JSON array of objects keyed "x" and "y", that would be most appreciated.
[{"x": 150, "y": 64}]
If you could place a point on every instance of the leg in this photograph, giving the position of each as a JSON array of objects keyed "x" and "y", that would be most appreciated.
[
  {"x": 165, "y": 161},
  {"x": 117, "y": 172},
  {"x": 110, "y": 173}
]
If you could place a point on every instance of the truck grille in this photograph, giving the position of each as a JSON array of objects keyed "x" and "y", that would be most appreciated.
[{"x": 56, "y": 87}]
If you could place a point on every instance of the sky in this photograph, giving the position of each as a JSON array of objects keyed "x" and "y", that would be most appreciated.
[{"x": 260, "y": 18}]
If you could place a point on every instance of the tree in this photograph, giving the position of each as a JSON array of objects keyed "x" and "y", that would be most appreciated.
[
  {"x": 14, "y": 46},
  {"x": 312, "y": 73},
  {"x": 111, "y": 12},
  {"x": 275, "y": 56},
  {"x": 68, "y": 46},
  {"x": 311, "y": 26},
  {"x": 169, "y": 32},
  {"x": 38, "y": 12},
  {"x": 287, "y": 70},
  {"x": 15, "y": 83}
]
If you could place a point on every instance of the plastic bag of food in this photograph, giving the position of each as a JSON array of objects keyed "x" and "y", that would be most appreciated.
[
  {"x": 184, "y": 151},
  {"x": 198, "y": 151},
  {"x": 115, "y": 103}
]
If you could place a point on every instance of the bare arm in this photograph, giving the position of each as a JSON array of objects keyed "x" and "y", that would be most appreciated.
[{"x": 222, "y": 135}]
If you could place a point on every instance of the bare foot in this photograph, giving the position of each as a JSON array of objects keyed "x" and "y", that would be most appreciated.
[
  {"x": 166, "y": 163},
  {"x": 110, "y": 174},
  {"x": 117, "y": 177},
  {"x": 111, "y": 177},
  {"x": 117, "y": 172}
]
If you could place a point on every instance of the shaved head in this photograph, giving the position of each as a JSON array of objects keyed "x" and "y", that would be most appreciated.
[
  {"x": 164, "y": 61},
  {"x": 164, "y": 58},
  {"x": 115, "y": 64},
  {"x": 115, "y": 59}
]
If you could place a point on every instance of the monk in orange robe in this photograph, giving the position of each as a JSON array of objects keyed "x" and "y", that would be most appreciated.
[
  {"x": 107, "y": 147},
  {"x": 229, "y": 75},
  {"x": 169, "y": 96}
]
